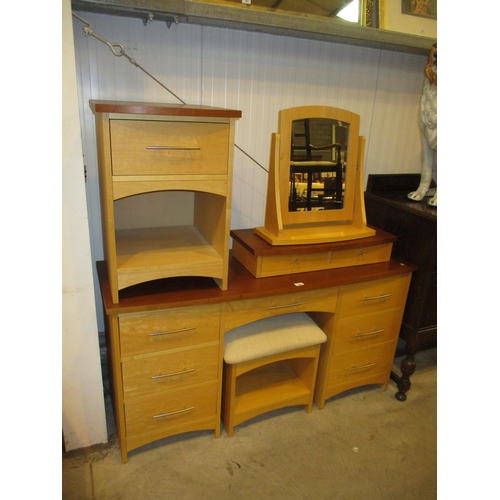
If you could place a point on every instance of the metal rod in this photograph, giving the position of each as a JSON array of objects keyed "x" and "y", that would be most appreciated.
[
  {"x": 173, "y": 331},
  {"x": 184, "y": 410},
  {"x": 367, "y": 334},
  {"x": 369, "y": 365},
  {"x": 155, "y": 377},
  {"x": 384, "y": 296},
  {"x": 174, "y": 148},
  {"x": 287, "y": 305},
  {"x": 118, "y": 50}
]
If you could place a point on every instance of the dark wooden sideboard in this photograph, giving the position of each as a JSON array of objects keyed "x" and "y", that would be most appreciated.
[{"x": 415, "y": 225}]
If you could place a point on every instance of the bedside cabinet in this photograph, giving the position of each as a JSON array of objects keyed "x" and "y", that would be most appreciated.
[{"x": 185, "y": 153}]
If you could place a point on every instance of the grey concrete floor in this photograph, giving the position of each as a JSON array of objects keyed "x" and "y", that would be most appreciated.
[{"x": 363, "y": 445}]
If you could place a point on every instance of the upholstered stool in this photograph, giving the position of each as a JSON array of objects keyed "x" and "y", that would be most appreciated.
[{"x": 269, "y": 364}]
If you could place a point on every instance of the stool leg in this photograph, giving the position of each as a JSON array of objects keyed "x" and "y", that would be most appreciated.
[{"x": 229, "y": 382}]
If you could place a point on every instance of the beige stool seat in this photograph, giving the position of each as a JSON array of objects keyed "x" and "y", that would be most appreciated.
[{"x": 269, "y": 364}]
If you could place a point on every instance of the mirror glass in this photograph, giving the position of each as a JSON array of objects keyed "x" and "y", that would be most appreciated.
[
  {"x": 346, "y": 10},
  {"x": 318, "y": 164}
]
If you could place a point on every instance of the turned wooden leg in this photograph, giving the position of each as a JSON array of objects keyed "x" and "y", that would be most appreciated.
[{"x": 408, "y": 367}]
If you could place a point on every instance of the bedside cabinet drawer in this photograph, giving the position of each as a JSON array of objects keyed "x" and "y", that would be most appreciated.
[
  {"x": 367, "y": 330},
  {"x": 373, "y": 296},
  {"x": 171, "y": 409},
  {"x": 168, "y": 329},
  {"x": 168, "y": 147},
  {"x": 241, "y": 312},
  {"x": 176, "y": 370},
  {"x": 361, "y": 363}
]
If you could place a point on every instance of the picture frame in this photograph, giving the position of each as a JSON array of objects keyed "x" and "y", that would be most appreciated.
[
  {"x": 405, "y": 16},
  {"x": 420, "y": 8}
]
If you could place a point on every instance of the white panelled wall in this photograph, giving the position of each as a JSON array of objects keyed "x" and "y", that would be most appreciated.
[{"x": 258, "y": 74}]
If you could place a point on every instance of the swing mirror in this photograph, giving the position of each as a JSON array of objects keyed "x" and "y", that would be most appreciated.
[
  {"x": 317, "y": 164},
  {"x": 314, "y": 192}
]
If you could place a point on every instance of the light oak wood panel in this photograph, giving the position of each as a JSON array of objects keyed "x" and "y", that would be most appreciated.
[
  {"x": 262, "y": 266},
  {"x": 266, "y": 388},
  {"x": 164, "y": 147},
  {"x": 124, "y": 186},
  {"x": 373, "y": 296},
  {"x": 174, "y": 408},
  {"x": 173, "y": 370},
  {"x": 287, "y": 264},
  {"x": 367, "y": 330},
  {"x": 168, "y": 329},
  {"x": 241, "y": 312},
  {"x": 362, "y": 362},
  {"x": 377, "y": 378},
  {"x": 153, "y": 253}
]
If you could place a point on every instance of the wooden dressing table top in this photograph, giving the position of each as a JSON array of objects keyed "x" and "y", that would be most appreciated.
[{"x": 181, "y": 292}]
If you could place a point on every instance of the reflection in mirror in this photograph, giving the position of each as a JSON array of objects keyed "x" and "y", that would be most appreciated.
[
  {"x": 317, "y": 164},
  {"x": 347, "y": 10}
]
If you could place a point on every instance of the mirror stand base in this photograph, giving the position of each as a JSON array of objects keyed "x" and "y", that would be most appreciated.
[{"x": 314, "y": 234}]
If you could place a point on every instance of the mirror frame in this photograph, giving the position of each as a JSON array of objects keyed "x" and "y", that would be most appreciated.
[
  {"x": 282, "y": 227},
  {"x": 285, "y": 119}
]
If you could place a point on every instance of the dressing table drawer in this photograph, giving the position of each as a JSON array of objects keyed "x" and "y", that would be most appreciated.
[
  {"x": 173, "y": 370},
  {"x": 367, "y": 330},
  {"x": 155, "y": 147},
  {"x": 172, "y": 409},
  {"x": 241, "y": 312},
  {"x": 168, "y": 329},
  {"x": 362, "y": 363},
  {"x": 372, "y": 296}
]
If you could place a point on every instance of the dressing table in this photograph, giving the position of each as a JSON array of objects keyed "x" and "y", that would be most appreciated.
[{"x": 165, "y": 339}]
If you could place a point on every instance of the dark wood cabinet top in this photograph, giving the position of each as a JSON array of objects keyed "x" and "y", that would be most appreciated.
[
  {"x": 155, "y": 108},
  {"x": 393, "y": 189}
]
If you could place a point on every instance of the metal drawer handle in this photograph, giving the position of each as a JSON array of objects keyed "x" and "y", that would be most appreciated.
[
  {"x": 154, "y": 377},
  {"x": 287, "y": 305},
  {"x": 369, "y": 365},
  {"x": 367, "y": 334},
  {"x": 383, "y": 296},
  {"x": 173, "y": 331},
  {"x": 184, "y": 410},
  {"x": 174, "y": 148}
]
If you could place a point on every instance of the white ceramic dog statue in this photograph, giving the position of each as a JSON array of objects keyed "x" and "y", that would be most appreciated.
[{"x": 428, "y": 128}]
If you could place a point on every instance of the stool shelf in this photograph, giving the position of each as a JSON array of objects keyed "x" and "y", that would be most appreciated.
[{"x": 270, "y": 385}]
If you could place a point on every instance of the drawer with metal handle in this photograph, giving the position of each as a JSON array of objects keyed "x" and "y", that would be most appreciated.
[
  {"x": 172, "y": 370},
  {"x": 168, "y": 329},
  {"x": 153, "y": 147},
  {"x": 241, "y": 312},
  {"x": 367, "y": 330},
  {"x": 371, "y": 296},
  {"x": 175, "y": 408}
]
